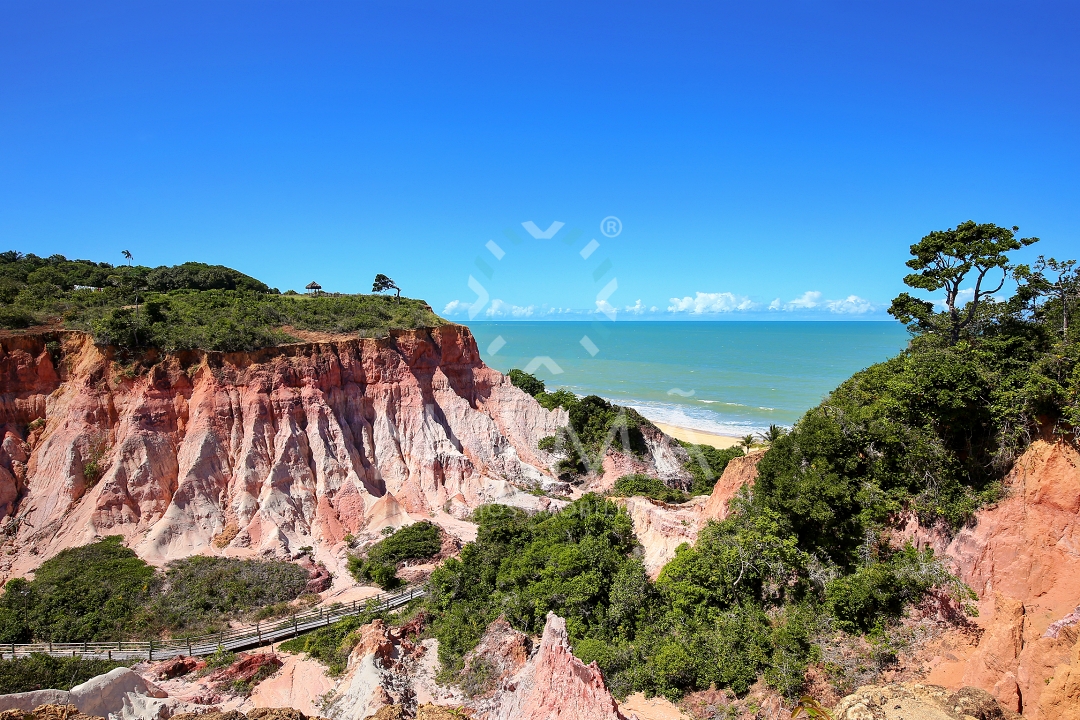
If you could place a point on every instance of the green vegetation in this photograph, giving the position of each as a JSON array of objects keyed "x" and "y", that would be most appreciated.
[
  {"x": 103, "y": 591},
  {"x": 83, "y": 594},
  {"x": 413, "y": 542},
  {"x": 522, "y": 567},
  {"x": 806, "y": 554},
  {"x": 40, "y": 671},
  {"x": 184, "y": 306},
  {"x": 595, "y": 425},
  {"x": 200, "y": 594},
  {"x": 332, "y": 644},
  {"x": 706, "y": 465},
  {"x": 329, "y": 645},
  {"x": 650, "y": 487}
]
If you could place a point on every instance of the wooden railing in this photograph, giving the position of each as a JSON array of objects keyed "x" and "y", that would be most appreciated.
[{"x": 240, "y": 638}]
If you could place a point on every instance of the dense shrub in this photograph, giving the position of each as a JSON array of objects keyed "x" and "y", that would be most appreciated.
[
  {"x": 522, "y": 567},
  {"x": 529, "y": 383},
  {"x": 650, "y": 487},
  {"x": 595, "y": 425},
  {"x": 85, "y": 593},
  {"x": 200, "y": 594},
  {"x": 412, "y": 542},
  {"x": 103, "y": 591},
  {"x": 40, "y": 671},
  {"x": 706, "y": 465}
]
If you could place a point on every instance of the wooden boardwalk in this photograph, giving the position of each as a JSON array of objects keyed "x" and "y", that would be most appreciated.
[{"x": 241, "y": 638}]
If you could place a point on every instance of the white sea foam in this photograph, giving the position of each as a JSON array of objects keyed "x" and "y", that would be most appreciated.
[{"x": 704, "y": 420}]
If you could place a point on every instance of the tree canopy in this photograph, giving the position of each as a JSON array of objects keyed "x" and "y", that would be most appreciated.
[{"x": 944, "y": 260}]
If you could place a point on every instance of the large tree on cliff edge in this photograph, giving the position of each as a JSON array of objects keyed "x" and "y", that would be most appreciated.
[
  {"x": 382, "y": 282},
  {"x": 944, "y": 259}
]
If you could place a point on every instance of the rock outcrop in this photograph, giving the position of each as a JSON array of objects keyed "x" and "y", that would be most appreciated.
[
  {"x": 119, "y": 693},
  {"x": 555, "y": 685},
  {"x": 378, "y": 674},
  {"x": 661, "y": 528},
  {"x": 500, "y": 653},
  {"x": 740, "y": 471},
  {"x": 912, "y": 701}
]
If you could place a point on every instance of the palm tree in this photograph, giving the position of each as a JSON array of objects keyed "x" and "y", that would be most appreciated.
[
  {"x": 774, "y": 433},
  {"x": 747, "y": 442},
  {"x": 127, "y": 255}
]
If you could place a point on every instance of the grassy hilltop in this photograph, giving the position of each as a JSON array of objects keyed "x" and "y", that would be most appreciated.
[{"x": 186, "y": 306}]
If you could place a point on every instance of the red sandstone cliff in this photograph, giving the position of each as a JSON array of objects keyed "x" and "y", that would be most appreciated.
[
  {"x": 263, "y": 451},
  {"x": 1022, "y": 558}
]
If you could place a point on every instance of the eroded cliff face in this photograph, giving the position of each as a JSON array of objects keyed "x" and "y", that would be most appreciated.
[
  {"x": 1022, "y": 558},
  {"x": 261, "y": 452}
]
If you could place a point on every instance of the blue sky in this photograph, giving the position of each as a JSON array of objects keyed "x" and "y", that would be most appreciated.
[{"x": 756, "y": 154}]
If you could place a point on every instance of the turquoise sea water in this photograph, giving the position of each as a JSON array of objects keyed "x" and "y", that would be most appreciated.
[{"x": 727, "y": 377}]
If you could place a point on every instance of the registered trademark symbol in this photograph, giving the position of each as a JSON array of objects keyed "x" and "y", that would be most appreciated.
[{"x": 611, "y": 226}]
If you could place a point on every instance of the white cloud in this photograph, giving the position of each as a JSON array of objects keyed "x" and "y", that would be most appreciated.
[
  {"x": 654, "y": 309},
  {"x": 455, "y": 306},
  {"x": 711, "y": 303},
  {"x": 775, "y": 304},
  {"x": 606, "y": 308},
  {"x": 807, "y": 301},
  {"x": 500, "y": 308},
  {"x": 851, "y": 305},
  {"x": 637, "y": 308}
]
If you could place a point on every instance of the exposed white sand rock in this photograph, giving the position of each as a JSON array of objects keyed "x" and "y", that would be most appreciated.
[
  {"x": 119, "y": 694},
  {"x": 661, "y": 528}
]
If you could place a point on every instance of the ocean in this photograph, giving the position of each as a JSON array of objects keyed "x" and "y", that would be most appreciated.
[{"x": 731, "y": 378}]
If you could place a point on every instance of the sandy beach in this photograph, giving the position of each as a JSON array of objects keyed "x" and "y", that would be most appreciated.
[{"x": 699, "y": 437}]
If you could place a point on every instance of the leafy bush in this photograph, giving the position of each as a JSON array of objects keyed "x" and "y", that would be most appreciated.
[
  {"x": 40, "y": 671},
  {"x": 412, "y": 542},
  {"x": 706, "y": 465},
  {"x": 200, "y": 594},
  {"x": 595, "y": 424},
  {"x": 522, "y": 567},
  {"x": 882, "y": 589},
  {"x": 650, "y": 487},
  {"x": 87, "y": 593},
  {"x": 529, "y": 383}
]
